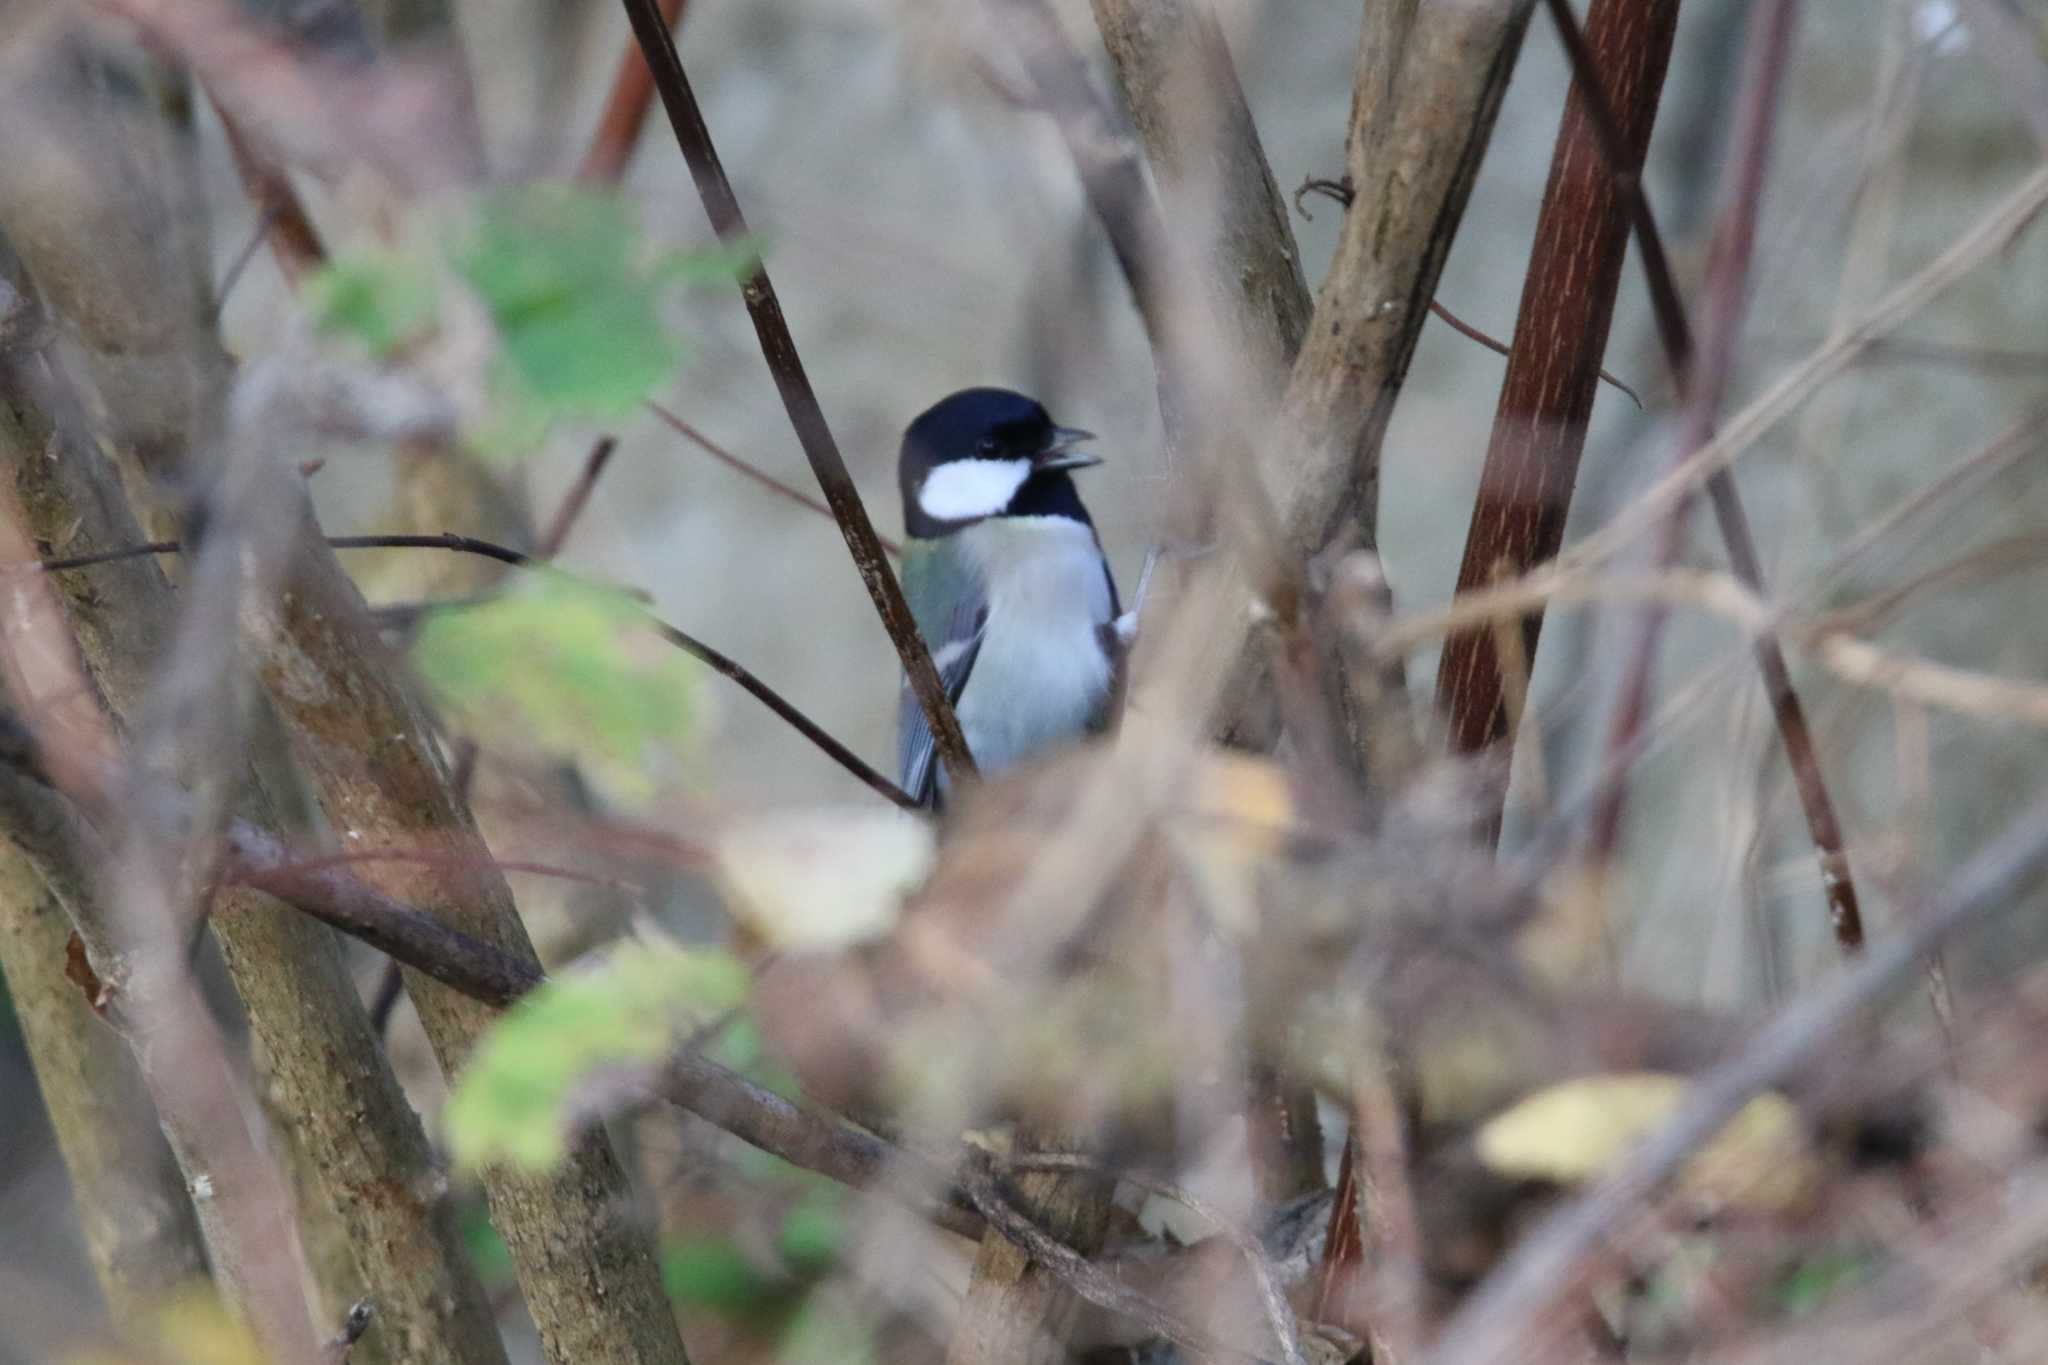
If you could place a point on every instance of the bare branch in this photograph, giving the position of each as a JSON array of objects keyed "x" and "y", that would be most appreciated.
[
  {"x": 1077, "y": 1273},
  {"x": 1278, "y": 1315},
  {"x": 1703, "y": 378},
  {"x": 577, "y": 498},
  {"x": 1547, "y": 395},
  {"x": 1182, "y": 88},
  {"x": 658, "y": 46}
]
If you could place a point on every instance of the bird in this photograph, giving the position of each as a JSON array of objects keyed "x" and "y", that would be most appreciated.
[{"x": 1006, "y": 579}]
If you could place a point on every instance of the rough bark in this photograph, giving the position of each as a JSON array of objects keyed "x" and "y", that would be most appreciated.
[
  {"x": 127, "y": 316},
  {"x": 1428, "y": 86},
  {"x": 364, "y": 741},
  {"x": 1183, "y": 94},
  {"x": 139, "y": 1227}
]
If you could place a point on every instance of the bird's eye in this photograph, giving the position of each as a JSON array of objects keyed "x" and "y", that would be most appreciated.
[{"x": 988, "y": 445}]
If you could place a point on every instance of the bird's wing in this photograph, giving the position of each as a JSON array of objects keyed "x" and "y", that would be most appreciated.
[{"x": 950, "y": 605}]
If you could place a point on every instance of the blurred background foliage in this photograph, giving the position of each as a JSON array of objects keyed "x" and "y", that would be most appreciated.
[{"x": 925, "y": 236}]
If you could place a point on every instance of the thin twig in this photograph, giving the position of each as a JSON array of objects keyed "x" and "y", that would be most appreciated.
[
  {"x": 799, "y": 400},
  {"x": 577, "y": 498},
  {"x": 1340, "y": 190},
  {"x": 1278, "y": 1315},
  {"x": 759, "y": 476},
  {"x": 294, "y": 242},
  {"x": 1705, "y": 377},
  {"x": 1080, "y": 1275},
  {"x": 1467, "y": 330},
  {"x": 808, "y": 1139},
  {"x": 718, "y": 662},
  {"x": 266, "y": 215}
]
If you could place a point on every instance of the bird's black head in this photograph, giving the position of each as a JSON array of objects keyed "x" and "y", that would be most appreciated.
[{"x": 984, "y": 453}]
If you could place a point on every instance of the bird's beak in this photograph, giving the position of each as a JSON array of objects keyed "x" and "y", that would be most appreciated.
[{"x": 1059, "y": 453}]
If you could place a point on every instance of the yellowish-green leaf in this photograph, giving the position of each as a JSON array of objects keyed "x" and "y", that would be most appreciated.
[
  {"x": 1577, "y": 1130},
  {"x": 534, "y": 1077},
  {"x": 562, "y": 667},
  {"x": 819, "y": 880}
]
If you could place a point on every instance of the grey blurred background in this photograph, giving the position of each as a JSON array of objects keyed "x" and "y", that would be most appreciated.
[{"x": 924, "y": 236}]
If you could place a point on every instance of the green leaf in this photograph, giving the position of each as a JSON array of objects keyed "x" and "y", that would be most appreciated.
[
  {"x": 710, "y": 1272},
  {"x": 488, "y": 1253},
  {"x": 563, "y": 667},
  {"x": 575, "y": 298},
  {"x": 826, "y": 1333},
  {"x": 382, "y": 298},
  {"x": 1811, "y": 1281},
  {"x": 529, "y": 1082},
  {"x": 812, "y": 1234}
]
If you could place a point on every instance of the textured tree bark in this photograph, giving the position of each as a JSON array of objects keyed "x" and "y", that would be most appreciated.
[
  {"x": 1429, "y": 83},
  {"x": 1183, "y": 93},
  {"x": 364, "y": 1149},
  {"x": 365, "y": 742},
  {"x": 139, "y": 1227},
  {"x": 588, "y": 1275},
  {"x": 1553, "y": 368},
  {"x": 109, "y": 240}
]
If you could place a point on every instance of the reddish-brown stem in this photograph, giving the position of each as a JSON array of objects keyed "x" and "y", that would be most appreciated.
[
  {"x": 625, "y": 110},
  {"x": 799, "y": 400},
  {"x": 1553, "y": 369},
  {"x": 294, "y": 242}
]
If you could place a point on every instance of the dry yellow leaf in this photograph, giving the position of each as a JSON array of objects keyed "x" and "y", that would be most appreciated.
[{"x": 1575, "y": 1131}]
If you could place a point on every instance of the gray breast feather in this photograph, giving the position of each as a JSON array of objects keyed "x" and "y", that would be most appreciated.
[{"x": 1031, "y": 670}]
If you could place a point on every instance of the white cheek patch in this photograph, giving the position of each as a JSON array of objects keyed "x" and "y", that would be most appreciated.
[{"x": 965, "y": 490}]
